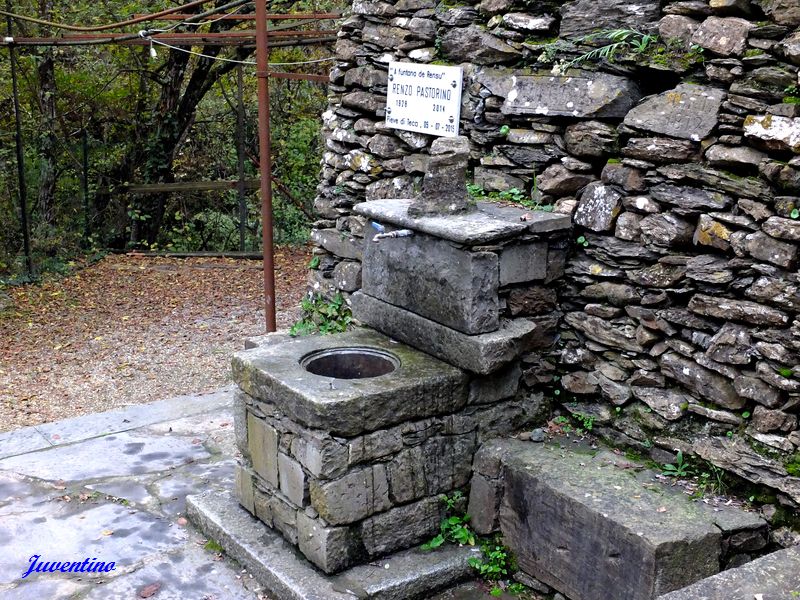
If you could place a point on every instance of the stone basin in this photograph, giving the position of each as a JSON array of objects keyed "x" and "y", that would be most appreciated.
[
  {"x": 349, "y": 383},
  {"x": 350, "y": 363}
]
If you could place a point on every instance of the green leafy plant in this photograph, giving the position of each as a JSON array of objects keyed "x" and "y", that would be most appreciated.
[
  {"x": 746, "y": 414},
  {"x": 711, "y": 480},
  {"x": 680, "y": 468},
  {"x": 322, "y": 316},
  {"x": 495, "y": 564},
  {"x": 213, "y": 546},
  {"x": 792, "y": 465},
  {"x": 620, "y": 40},
  {"x": 785, "y": 372},
  {"x": 512, "y": 195},
  {"x": 504, "y": 130},
  {"x": 454, "y": 528},
  {"x": 475, "y": 190},
  {"x": 587, "y": 421},
  {"x": 313, "y": 264},
  {"x": 516, "y": 588},
  {"x": 795, "y": 213},
  {"x": 581, "y": 240}
]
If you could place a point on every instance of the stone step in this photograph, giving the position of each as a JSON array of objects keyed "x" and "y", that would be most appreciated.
[
  {"x": 772, "y": 577},
  {"x": 286, "y": 575},
  {"x": 593, "y": 525}
]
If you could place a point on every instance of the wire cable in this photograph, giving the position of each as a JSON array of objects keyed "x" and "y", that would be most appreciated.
[
  {"x": 144, "y": 35},
  {"x": 141, "y": 19}
]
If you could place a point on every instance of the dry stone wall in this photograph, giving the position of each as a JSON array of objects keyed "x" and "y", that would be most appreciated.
[{"x": 678, "y": 161}]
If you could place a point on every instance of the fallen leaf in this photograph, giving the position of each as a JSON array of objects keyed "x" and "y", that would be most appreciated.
[
  {"x": 661, "y": 509},
  {"x": 151, "y": 589},
  {"x": 107, "y": 532},
  {"x": 182, "y": 521}
]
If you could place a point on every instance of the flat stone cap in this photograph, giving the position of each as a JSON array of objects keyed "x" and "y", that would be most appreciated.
[
  {"x": 419, "y": 387},
  {"x": 489, "y": 223}
]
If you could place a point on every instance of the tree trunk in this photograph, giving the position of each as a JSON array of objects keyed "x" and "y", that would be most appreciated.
[
  {"x": 48, "y": 143},
  {"x": 171, "y": 121}
]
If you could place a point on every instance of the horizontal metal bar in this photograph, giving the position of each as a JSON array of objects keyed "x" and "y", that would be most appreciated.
[
  {"x": 195, "y": 40},
  {"x": 302, "y": 76},
  {"x": 252, "y": 16},
  {"x": 185, "y": 186},
  {"x": 248, "y": 33}
]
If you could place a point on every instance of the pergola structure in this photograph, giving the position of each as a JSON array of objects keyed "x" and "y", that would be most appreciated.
[{"x": 263, "y": 37}]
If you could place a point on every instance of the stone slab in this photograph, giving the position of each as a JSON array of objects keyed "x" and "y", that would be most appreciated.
[
  {"x": 488, "y": 224},
  {"x": 68, "y": 431},
  {"x": 288, "y": 576},
  {"x": 579, "y": 94},
  {"x": 115, "y": 455},
  {"x": 481, "y": 354},
  {"x": 188, "y": 573},
  {"x": 435, "y": 279},
  {"x": 421, "y": 386},
  {"x": 523, "y": 263},
  {"x": 110, "y": 532},
  {"x": 20, "y": 441},
  {"x": 567, "y": 513},
  {"x": 772, "y": 577},
  {"x": 56, "y": 519},
  {"x": 688, "y": 112}
]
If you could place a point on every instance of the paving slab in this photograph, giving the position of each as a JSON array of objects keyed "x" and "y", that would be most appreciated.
[
  {"x": 115, "y": 455},
  {"x": 52, "y": 589},
  {"x": 85, "y": 427},
  {"x": 173, "y": 489},
  {"x": 110, "y": 532},
  {"x": 20, "y": 441},
  {"x": 113, "y": 486},
  {"x": 131, "y": 490},
  {"x": 775, "y": 576},
  {"x": 190, "y": 573},
  {"x": 289, "y": 576}
]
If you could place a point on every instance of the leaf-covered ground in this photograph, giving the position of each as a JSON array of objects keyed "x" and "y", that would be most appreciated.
[{"x": 133, "y": 329}]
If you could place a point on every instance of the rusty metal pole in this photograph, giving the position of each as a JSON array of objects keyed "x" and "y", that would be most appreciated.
[{"x": 265, "y": 160}]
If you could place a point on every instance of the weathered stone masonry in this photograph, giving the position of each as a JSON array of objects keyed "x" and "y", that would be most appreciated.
[{"x": 680, "y": 171}]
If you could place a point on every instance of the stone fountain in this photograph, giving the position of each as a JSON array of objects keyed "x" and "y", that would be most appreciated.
[{"x": 348, "y": 440}]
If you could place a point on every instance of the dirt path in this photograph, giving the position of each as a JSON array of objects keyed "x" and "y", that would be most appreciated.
[{"x": 130, "y": 329}]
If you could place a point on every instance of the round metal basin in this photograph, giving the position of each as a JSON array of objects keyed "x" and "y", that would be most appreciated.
[{"x": 350, "y": 363}]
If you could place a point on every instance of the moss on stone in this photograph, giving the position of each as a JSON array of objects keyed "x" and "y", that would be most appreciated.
[{"x": 792, "y": 465}]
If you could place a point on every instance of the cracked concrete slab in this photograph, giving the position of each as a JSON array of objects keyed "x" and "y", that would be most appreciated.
[
  {"x": 115, "y": 455},
  {"x": 187, "y": 573},
  {"x": 73, "y": 532},
  {"x": 59, "y": 433},
  {"x": 113, "y": 486}
]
